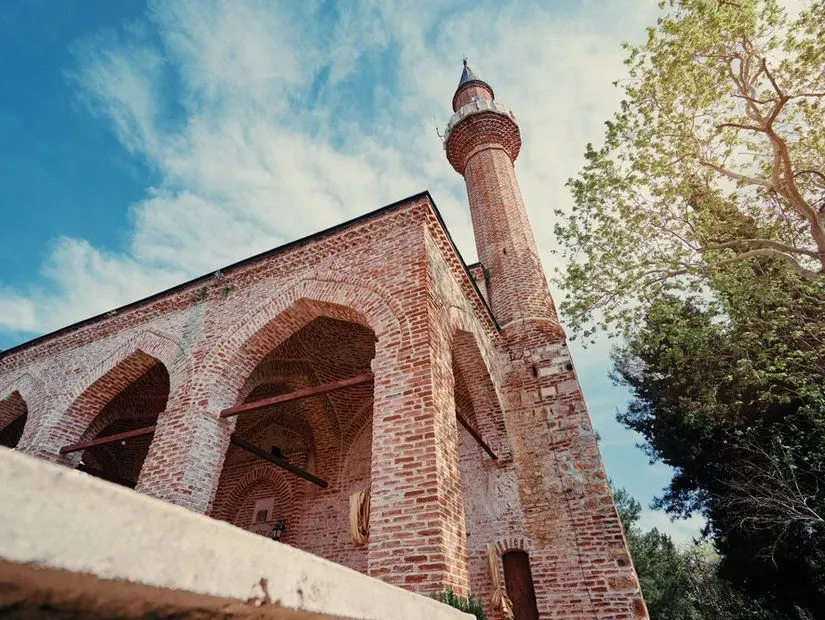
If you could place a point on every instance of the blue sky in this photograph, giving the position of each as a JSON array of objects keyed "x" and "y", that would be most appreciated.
[{"x": 146, "y": 143}]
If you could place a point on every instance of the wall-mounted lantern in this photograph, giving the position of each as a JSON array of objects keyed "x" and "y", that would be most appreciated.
[{"x": 278, "y": 529}]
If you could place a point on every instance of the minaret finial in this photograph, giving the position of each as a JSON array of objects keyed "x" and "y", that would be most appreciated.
[{"x": 469, "y": 77}]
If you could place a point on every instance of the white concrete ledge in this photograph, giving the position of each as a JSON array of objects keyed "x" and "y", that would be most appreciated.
[{"x": 54, "y": 517}]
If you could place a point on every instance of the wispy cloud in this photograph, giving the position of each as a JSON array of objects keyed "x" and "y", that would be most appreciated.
[
  {"x": 680, "y": 530},
  {"x": 266, "y": 121}
]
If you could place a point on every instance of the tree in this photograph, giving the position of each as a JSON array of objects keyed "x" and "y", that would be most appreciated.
[
  {"x": 659, "y": 566},
  {"x": 730, "y": 394},
  {"x": 679, "y": 583},
  {"x": 716, "y": 156}
]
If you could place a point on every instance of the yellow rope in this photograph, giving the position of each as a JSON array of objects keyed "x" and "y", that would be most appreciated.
[
  {"x": 359, "y": 517},
  {"x": 498, "y": 598}
]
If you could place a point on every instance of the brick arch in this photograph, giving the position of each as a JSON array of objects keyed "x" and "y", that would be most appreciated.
[
  {"x": 23, "y": 395},
  {"x": 127, "y": 404},
  {"x": 316, "y": 425},
  {"x": 253, "y": 337},
  {"x": 29, "y": 388},
  {"x": 161, "y": 347},
  {"x": 230, "y": 502},
  {"x": 275, "y": 372},
  {"x": 360, "y": 440},
  {"x": 461, "y": 322},
  {"x": 513, "y": 543},
  {"x": 272, "y": 371},
  {"x": 480, "y": 391},
  {"x": 97, "y": 389},
  {"x": 297, "y": 422}
]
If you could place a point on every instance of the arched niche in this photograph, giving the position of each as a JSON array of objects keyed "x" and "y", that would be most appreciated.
[{"x": 477, "y": 402}]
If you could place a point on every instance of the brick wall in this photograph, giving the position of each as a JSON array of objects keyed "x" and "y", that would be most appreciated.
[
  {"x": 387, "y": 293},
  {"x": 353, "y": 299}
]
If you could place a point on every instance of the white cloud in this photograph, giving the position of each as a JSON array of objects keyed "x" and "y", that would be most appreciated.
[
  {"x": 246, "y": 160},
  {"x": 17, "y": 313},
  {"x": 252, "y": 115},
  {"x": 680, "y": 530}
]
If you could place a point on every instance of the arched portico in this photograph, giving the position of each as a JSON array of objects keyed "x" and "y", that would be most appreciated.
[
  {"x": 125, "y": 399},
  {"x": 308, "y": 433},
  {"x": 378, "y": 428},
  {"x": 70, "y": 414}
]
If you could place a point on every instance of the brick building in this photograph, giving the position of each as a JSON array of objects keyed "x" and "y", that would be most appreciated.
[{"x": 362, "y": 371}]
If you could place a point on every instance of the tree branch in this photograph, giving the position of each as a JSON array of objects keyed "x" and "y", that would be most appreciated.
[
  {"x": 804, "y": 272},
  {"x": 772, "y": 80},
  {"x": 740, "y": 126},
  {"x": 736, "y": 176},
  {"x": 760, "y": 243}
]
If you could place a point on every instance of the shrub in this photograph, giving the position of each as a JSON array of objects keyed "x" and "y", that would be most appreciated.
[{"x": 470, "y": 604}]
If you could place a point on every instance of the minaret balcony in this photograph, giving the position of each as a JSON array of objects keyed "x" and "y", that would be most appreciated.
[{"x": 474, "y": 107}]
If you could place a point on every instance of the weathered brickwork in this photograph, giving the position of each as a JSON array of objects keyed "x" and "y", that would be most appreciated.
[
  {"x": 579, "y": 559},
  {"x": 385, "y": 294}
]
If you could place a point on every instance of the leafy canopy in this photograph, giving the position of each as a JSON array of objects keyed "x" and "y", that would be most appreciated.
[
  {"x": 679, "y": 582},
  {"x": 730, "y": 394},
  {"x": 717, "y": 155}
]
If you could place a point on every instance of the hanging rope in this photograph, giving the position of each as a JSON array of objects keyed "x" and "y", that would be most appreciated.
[
  {"x": 498, "y": 598},
  {"x": 359, "y": 517}
]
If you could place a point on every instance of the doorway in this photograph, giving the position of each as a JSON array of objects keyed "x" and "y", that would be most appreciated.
[{"x": 518, "y": 580}]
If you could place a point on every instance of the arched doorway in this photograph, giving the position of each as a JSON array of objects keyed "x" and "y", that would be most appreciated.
[
  {"x": 327, "y": 435},
  {"x": 13, "y": 416},
  {"x": 123, "y": 401},
  {"x": 518, "y": 580}
]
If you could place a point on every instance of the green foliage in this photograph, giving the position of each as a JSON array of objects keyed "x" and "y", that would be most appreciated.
[
  {"x": 470, "y": 604},
  {"x": 659, "y": 566},
  {"x": 730, "y": 394},
  {"x": 717, "y": 155},
  {"x": 679, "y": 583}
]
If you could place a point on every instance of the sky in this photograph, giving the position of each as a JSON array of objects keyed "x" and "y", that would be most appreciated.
[{"x": 147, "y": 143}]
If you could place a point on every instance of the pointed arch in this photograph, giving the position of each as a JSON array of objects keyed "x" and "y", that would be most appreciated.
[
  {"x": 475, "y": 382},
  {"x": 28, "y": 386},
  {"x": 228, "y": 504},
  {"x": 151, "y": 343},
  {"x": 87, "y": 404},
  {"x": 274, "y": 322},
  {"x": 75, "y": 410},
  {"x": 21, "y": 405}
]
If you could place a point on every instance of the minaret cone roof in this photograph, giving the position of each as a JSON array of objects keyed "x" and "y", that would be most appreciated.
[{"x": 467, "y": 75}]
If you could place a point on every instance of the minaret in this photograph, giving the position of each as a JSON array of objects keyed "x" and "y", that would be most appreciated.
[
  {"x": 578, "y": 557},
  {"x": 482, "y": 142}
]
